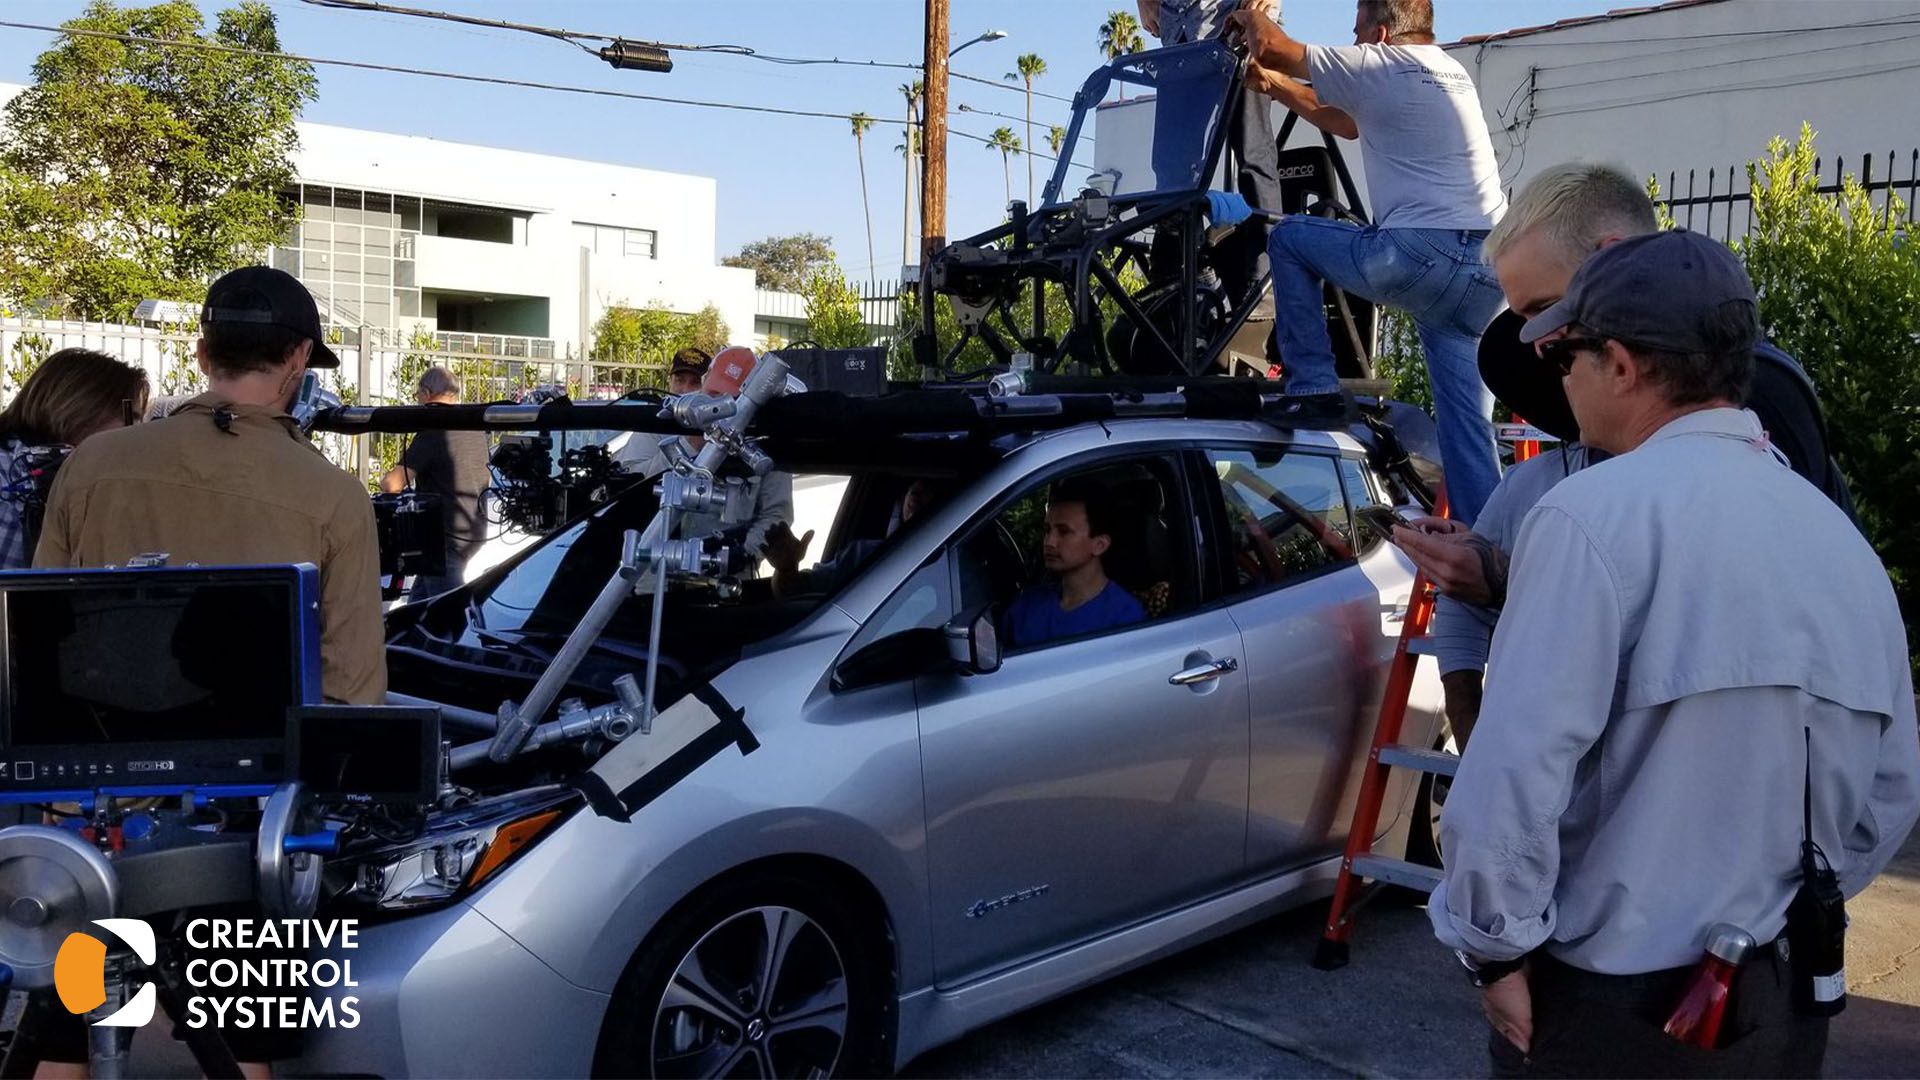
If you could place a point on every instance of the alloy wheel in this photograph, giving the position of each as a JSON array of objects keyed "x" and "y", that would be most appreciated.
[{"x": 761, "y": 994}]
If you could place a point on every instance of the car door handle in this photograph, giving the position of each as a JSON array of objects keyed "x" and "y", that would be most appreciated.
[{"x": 1206, "y": 672}]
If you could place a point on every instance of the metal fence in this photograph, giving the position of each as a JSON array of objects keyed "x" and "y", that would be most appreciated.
[
  {"x": 1719, "y": 203},
  {"x": 376, "y": 368}
]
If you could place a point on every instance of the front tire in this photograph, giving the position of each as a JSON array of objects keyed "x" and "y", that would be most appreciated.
[{"x": 765, "y": 976}]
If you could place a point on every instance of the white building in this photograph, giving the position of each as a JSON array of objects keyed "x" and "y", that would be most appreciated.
[
  {"x": 406, "y": 231},
  {"x": 1689, "y": 85},
  {"x": 1702, "y": 85},
  {"x": 400, "y": 232}
]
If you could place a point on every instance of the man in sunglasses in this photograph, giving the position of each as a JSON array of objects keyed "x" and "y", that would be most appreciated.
[
  {"x": 1560, "y": 218},
  {"x": 1666, "y": 681}
]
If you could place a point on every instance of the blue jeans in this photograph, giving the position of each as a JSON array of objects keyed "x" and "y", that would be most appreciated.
[{"x": 1434, "y": 275}]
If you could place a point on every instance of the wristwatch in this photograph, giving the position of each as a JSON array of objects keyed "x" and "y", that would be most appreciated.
[{"x": 1484, "y": 973}]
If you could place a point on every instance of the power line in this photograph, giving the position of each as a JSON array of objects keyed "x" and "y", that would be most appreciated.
[
  {"x": 574, "y": 37},
  {"x": 460, "y": 76},
  {"x": 1767, "y": 59},
  {"x": 1767, "y": 84},
  {"x": 457, "y": 76},
  {"x": 1906, "y": 20}
]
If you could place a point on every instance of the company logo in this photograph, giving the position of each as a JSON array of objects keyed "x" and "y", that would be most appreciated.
[{"x": 80, "y": 972}]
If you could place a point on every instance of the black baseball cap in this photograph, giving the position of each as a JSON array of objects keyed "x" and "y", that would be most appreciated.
[
  {"x": 691, "y": 361},
  {"x": 1664, "y": 290},
  {"x": 261, "y": 294},
  {"x": 1530, "y": 386}
]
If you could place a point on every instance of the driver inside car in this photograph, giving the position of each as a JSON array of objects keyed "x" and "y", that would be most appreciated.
[{"x": 1078, "y": 598}]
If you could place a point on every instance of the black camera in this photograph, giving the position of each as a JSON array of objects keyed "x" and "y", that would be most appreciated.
[
  {"x": 412, "y": 531},
  {"x": 536, "y": 497}
]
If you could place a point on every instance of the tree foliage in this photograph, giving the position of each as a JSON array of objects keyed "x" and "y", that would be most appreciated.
[
  {"x": 834, "y": 318},
  {"x": 1839, "y": 286},
  {"x": 783, "y": 262},
  {"x": 652, "y": 334},
  {"x": 130, "y": 170},
  {"x": 1120, "y": 35}
]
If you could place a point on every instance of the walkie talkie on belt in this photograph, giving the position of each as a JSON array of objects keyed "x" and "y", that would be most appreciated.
[{"x": 1817, "y": 923}]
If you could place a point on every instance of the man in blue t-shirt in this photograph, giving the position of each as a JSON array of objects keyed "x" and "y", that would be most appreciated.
[{"x": 1080, "y": 599}]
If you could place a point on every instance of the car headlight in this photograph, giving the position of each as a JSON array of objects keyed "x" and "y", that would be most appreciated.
[{"x": 457, "y": 851}]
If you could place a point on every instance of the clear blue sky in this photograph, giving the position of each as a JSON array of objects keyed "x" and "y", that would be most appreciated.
[{"x": 776, "y": 174}]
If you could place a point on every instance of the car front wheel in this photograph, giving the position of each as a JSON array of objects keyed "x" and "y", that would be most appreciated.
[{"x": 768, "y": 977}]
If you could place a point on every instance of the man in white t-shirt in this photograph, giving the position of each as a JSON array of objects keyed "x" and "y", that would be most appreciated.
[{"x": 1436, "y": 193}]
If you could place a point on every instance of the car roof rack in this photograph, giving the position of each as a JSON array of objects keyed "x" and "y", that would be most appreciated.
[{"x": 1010, "y": 403}]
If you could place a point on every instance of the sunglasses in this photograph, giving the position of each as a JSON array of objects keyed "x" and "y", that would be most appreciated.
[{"x": 1560, "y": 351}]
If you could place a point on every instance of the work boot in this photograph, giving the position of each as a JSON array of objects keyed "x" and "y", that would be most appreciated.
[{"x": 1327, "y": 412}]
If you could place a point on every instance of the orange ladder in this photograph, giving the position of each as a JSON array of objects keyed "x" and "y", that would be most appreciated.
[{"x": 1361, "y": 861}]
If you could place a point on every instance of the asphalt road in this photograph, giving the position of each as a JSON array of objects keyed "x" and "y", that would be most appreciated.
[{"x": 1250, "y": 1005}]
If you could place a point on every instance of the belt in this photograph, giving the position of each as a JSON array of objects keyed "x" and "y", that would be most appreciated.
[{"x": 1628, "y": 991}]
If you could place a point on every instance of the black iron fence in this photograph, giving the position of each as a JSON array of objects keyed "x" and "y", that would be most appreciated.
[{"x": 1719, "y": 203}]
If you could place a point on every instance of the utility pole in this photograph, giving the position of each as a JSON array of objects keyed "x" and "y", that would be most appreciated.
[{"x": 933, "y": 189}]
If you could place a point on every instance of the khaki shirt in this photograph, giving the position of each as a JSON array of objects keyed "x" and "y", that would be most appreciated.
[{"x": 262, "y": 494}]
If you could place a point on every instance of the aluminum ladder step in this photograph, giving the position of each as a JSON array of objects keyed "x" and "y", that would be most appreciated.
[
  {"x": 1427, "y": 761},
  {"x": 1397, "y": 872}
]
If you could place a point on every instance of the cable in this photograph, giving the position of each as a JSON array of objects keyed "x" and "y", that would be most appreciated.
[
  {"x": 573, "y": 37},
  {"x": 1906, "y": 20},
  {"x": 1767, "y": 59},
  {"x": 1707, "y": 91},
  {"x": 428, "y": 72},
  {"x": 1004, "y": 86}
]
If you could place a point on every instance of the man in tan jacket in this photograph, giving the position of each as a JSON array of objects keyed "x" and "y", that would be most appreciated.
[{"x": 229, "y": 479}]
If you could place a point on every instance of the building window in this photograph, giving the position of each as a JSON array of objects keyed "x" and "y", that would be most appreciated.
[
  {"x": 354, "y": 251},
  {"x": 617, "y": 240}
]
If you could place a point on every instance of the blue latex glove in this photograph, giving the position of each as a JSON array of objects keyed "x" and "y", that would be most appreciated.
[{"x": 1227, "y": 208}]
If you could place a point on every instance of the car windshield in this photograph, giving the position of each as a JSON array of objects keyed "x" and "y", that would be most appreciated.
[
  {"x": 1157, "y": 112},
  {"x": 549, "y": 590}
]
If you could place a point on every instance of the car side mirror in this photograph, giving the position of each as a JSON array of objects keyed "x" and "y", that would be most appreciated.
[
  {"x": 905, "y": 655},
  {"x": 973, "y": 642}
]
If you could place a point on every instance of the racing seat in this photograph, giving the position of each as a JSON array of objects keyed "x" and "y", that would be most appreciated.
[
  {"x": 1310, "y": 178},
  {"x": 1142, "y": 556}
]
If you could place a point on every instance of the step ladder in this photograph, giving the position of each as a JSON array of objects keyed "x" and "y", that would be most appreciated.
[{"x": 1361, "y": 862}]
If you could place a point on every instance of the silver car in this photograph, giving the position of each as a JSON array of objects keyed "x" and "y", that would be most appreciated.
[{"x": 920, "y": 832}]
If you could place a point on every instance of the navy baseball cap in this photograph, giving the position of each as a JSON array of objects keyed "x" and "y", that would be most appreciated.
[
  {"x": 261, "y": 294},
  {"x": 1664, "y": 290}
]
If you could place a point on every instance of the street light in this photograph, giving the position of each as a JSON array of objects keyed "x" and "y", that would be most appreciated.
[{"x": 991, "y": 35}]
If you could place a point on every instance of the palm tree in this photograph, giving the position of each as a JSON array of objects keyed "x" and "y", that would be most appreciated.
[
  {"x": 861, "y": 122},
  {"x": 1120, "y": 35},
  {"x": 910, "y": 147},
  {"x": 1005, "y": 141},
  {"x": 1029, "y": 67},
  {"x": 1056, "y": 137}
]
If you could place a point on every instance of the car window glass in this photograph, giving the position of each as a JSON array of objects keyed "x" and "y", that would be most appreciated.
[
  {"x": 1372, "y": 517},
  {"x": 1286, "y": 517},
  {"x": 1001, "y": 561},
  {"x": 922, "y": 602}
]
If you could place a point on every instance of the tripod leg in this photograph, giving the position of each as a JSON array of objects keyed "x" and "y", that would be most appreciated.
[{"x": 209, "y": 1047}]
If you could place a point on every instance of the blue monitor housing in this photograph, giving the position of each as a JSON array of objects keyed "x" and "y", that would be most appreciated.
[{"x": 153, "y": 681}]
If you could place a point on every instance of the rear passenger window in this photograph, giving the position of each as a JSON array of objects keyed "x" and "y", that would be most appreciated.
[{"x": 1286, "y": 517}]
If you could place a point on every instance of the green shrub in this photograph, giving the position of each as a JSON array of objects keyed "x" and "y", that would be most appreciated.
[{"x": 1839, "y": 286}]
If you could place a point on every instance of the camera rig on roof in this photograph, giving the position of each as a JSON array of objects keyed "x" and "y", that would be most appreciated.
[{"x": 1154, "y": 283}]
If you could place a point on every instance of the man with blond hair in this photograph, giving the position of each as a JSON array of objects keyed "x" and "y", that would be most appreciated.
[{"x": 1562, "y": 216}]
